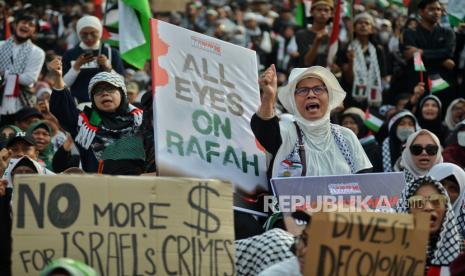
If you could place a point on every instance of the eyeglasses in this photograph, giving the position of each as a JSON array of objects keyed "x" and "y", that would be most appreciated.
[
  {"x": 418, "y": 149},
  {"x": 304, "y": 91},
  {"x": 301, "y": 240},
  {"x": 105, "y": 89},
  {"x": 419, "y": 202}
]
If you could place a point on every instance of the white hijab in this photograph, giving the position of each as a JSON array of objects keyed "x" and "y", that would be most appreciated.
[
  {"x": 317, "y": 131},
  {"x": 407, "y": 161},
  {"x": 448, "y": 120},
  {"x": 444, "y": 170},
  {"x": 93, "y": 22}
]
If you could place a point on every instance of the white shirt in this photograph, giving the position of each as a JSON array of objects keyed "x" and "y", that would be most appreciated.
[
  {"x": 35, "y": 61},
  {"x": 34, "y": 64},
  {"x": 327, "y": 160}
]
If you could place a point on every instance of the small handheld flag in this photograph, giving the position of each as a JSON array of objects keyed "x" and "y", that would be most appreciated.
[
  {"x": 436, "y": 83},
  {"x": 372, "y": 122}
]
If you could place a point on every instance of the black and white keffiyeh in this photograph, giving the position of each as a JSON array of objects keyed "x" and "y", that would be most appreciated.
[
  {"x": 255, "y": 254},
  {"x": 17, "y": 64},
  {"x": 367, "y": 76},
  {"x": 449, "y": 243}
]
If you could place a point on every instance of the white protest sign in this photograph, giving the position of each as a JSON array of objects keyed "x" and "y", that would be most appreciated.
[{"x": 205, "y": 92}]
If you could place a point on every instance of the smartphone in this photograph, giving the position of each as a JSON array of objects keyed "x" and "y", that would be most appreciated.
[{"x": 88, "y": 53}]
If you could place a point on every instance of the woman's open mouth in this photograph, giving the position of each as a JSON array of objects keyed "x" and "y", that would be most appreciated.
[{"x": 312, "y": 107}]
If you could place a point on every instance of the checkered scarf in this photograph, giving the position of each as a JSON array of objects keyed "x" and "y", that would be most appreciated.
[
  {"x": 20, "y": 61},
  {"x": 449, "y": 243},
  {"x": 386, "y": 152},
  {"x": 367, "y": 77},
  {"x": 257, "y": 253}
]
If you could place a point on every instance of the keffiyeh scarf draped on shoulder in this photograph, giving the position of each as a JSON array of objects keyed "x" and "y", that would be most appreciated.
[
  {"x": 367, "y": 79},
  {"x": 92, "y": 133},
  {"x": 449, "y": 243},
  {"x": 20, "y": 61}
]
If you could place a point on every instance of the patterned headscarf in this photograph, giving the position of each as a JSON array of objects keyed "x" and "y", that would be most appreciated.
[
  {"x": 444, "y": 170},
  {"x": 449, "y": 243},
  {"x": 407, "y": 160}
]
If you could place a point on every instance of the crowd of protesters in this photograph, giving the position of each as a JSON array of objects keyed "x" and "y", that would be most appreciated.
[{"x": 70, "y": 104}]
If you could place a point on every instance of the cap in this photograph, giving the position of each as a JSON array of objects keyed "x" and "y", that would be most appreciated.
[
  {"x": 112, "y": 78},
  {"x": 250, "y": 16},
  {"x": 212, "y": 12},
  {"x": 27, "y": 112},
  {"x": 328, "y": 3},
  {"x": 21, "y": 136}
]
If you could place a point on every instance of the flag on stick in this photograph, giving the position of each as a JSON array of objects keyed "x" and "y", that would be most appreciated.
[{"x": 333, "y": 40}]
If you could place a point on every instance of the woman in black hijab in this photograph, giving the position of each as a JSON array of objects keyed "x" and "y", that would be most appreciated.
[{"x": 429, "y": 117}]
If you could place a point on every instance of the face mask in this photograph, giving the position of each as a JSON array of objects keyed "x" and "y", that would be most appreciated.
[
  {"x": 461, "y": 138},
  {"x": 384, "y": 37},
  {"x": 404, "y": 133}
]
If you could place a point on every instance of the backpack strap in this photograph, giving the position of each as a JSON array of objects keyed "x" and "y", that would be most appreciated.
[
  {"x": 301, "y": 146},
  {"x": 343, "y": 147}
]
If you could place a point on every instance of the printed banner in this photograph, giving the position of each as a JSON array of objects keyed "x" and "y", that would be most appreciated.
[
  {"x": 206, "y": 91},
  {"x": 124, "y": 225},
  {"x": 375, "y": 191}
]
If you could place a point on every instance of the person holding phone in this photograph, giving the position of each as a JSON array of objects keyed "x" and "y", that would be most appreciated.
[{"x": 88, "y": 58}]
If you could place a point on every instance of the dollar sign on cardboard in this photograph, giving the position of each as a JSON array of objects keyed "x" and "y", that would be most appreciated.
[{"x": 207, "y": 222}]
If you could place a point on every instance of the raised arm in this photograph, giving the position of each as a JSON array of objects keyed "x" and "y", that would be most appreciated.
[{"x": 62, "y": 104}]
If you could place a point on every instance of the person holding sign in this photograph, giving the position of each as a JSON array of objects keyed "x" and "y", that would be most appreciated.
[
  {"x": 428, "y": 195},
  {"x": 422, "y": 151},
  {"x": 109, "y": 134},
  {"x": 310, "y": 145}
]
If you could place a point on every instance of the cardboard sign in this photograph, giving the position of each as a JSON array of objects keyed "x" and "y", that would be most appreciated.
[
  {"x": 168, "y": 5},
  {"x": 206, "y": 91},
  {"x": 375, "y": 190},
  {"x": 124, "y": 225},
  {"x": 367, "y": 244}
]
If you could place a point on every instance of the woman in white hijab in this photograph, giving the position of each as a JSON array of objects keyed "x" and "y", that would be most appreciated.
[
  {"x": 88, "y": 58},
  {"x": 455, "y": 112},
  {"x": 311, "y": 145},
  {"x": 452, "y": 177},
  {"x": 422, "y": 151}
]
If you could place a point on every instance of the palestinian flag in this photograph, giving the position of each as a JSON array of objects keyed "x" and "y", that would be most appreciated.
[
  {"x": 418, "y": 62},
  {"x": 456, "y": 12},
  {"x": 127, "y": 25},
  {"x": 436, "y": 83},
  {"x": 372, "y": 122},
  {"x": 300, "y": 14},
  {"x": 401, "y": 3},
  {"x": 333, "y": 39},
  {"x": 134, "y": 31}
]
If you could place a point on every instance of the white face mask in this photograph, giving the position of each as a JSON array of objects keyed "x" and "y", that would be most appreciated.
[
  {"x": 461, "y": 138},
  {"x": 404, "y": 133}
]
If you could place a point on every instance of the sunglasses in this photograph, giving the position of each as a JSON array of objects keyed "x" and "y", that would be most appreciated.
[
  {"x": 418, "y": 149},
  {"x": 304, "y": 91},
  {"x": 419, "y": 202}
]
